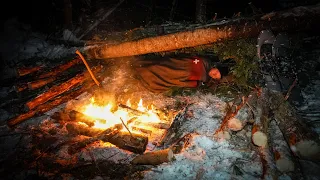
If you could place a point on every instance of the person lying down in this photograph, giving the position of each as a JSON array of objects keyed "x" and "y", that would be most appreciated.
[{"x": 160, "y": 74}]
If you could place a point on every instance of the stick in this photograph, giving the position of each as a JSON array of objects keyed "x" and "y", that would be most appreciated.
[
  {"x": 290, "y": 89},
  {"x": 22, "y": 71},
  {"x": 88, "y": 68},
  {"x": 125, "y": 126}
]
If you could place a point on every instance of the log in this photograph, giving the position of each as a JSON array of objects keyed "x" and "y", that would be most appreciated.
[
  {"x": 22, "y": 71},
  {"x": 74, "y": 116},
  {"x": 245, "y": 114},
  {"x": 283, "y": 157},
  {"x": 299, "y": 18},
  {"x": 58, "y": 89},
  {"x": 153, "y": 125},
  {"x": 303, "y": 141},
  {"x": 60, "y": 68},
  {"x": 106, "y": 134},
  {"x": 136, "y": 143},
  {"x": 40, "y": 83},
  {"x": 154, "y": 157},
  {"x": 49, "y": 105},
  {"x": 259, "y": 133},
  {"x": 76, "y": 128}
]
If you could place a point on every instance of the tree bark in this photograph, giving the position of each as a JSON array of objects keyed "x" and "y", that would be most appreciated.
[{"x": 300, "y": 18}]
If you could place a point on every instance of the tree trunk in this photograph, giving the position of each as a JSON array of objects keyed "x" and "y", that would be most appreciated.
[
  {"x": 300, "y": 18},
  {"x": 201, "y": 8}
]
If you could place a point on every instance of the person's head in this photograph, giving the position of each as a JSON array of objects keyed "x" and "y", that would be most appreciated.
[{"x": 214, "y": 73}]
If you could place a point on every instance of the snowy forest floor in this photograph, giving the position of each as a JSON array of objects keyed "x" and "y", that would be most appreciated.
[{"x": 28, "y": 153}]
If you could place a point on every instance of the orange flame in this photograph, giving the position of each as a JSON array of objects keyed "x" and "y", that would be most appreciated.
[{"x": 113, "y": 118}]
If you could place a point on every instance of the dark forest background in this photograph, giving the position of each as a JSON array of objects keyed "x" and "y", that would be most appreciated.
[{"x": 48, "y": 15}]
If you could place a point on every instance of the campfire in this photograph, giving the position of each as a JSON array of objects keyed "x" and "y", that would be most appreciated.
[{"x": 134, "y": 127}]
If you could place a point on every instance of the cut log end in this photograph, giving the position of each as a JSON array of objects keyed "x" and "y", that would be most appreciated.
[
  {"x": 235, "y": 124},
  {"x": 307, "y": 149},
  {"x": 285, "y": 165},
  {"x": 260, "y": 139},
  {"x": 154, "y": 158}
]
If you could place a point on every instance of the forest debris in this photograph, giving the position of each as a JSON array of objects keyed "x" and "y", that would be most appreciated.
[
  {"x": 58, "y": 89},
  {"x": 49, "y": 105},
  {"x": 154, "y": 157}
]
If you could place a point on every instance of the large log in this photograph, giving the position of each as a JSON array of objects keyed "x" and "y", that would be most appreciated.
[
  {"x": 49, "y": 105},
  {"x": 303, "y": 141},
  {"x": 299, "y": 18},
  {"x": 59, "y": 89}
]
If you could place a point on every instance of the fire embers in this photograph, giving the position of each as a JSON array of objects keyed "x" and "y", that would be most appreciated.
[{"x": 132, "y": 128}]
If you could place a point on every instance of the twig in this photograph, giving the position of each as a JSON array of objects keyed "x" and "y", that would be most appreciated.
[
  {"x": 290, "y": 89},
  {"x": 87, "y": 66},
  {"x": 126, "y": 127}
]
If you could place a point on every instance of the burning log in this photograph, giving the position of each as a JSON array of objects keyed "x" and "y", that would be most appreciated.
[
  {"x": 59, "y": 69},
  {"x": 303, "y": 141},
  {"x": 49, "y": 105},
  {"x": 135, "y": 143},
  {"x": 105, "y": 135},
  {"x": 287, "y": 20},
  {"x": 151, "y": 124},
  {"x": 131, "y": 110},
  {"x": 154, "y": 157},
  {"x": 82, "y": 129},
  {"x": 58, "y": 89},
  {"x": 75, "y": 116}
]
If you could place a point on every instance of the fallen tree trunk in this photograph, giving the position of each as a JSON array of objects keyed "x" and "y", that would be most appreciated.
[
  {"x": 303, "y": 141},
  {"x": 154, "y": 157},
  {"x": 59, "y": 89},
  {"x": 49, "y": 105},
  {"x": 299, "y": 18}
]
